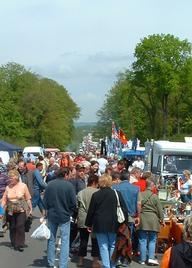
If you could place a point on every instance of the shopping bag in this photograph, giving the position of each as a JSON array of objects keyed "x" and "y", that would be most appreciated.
[
  {"x": 28, "y": 223},
  {"x": 42, "y": 232}
]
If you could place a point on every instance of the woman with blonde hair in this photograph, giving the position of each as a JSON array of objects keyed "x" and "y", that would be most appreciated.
[
  {"x": 102, "y": 218},
  {"x": 180, "y": 254},
  {"x": 16, "y": 201}
]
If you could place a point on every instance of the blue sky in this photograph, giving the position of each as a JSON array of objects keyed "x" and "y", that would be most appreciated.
[{"x": 84, "y": 44}]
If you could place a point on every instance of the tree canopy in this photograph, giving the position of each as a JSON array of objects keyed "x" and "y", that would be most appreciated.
[
  {"x": 152, "y": 99},
  {"x": 33, "y": 109}
]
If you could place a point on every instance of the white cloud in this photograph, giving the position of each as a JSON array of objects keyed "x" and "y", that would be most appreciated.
[{"x": 84, "y": 44}]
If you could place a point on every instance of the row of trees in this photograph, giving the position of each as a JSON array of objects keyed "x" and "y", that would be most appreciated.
[
  {"x": 34, "y": 110},
  {"x": 152, "y": 98}
]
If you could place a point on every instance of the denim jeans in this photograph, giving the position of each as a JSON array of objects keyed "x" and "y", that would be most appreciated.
[
  {"x": 64, "y": 253},
  {"x": 106, "y": 242},
  {"x": 147, "y": 244},
  {"x": 185, "y": 198},
  {"x": 37, "y": 200}
]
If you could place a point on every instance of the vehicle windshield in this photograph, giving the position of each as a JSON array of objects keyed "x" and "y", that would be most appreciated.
[{"x": 177, "y": 163}]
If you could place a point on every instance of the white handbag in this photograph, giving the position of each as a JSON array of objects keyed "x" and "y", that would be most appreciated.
[{"x": 120, "y": 214}]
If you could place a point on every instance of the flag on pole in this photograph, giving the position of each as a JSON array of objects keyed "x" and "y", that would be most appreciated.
[
  {"x": 122, "y": 137},
  {"x": 114, "y": 132}
]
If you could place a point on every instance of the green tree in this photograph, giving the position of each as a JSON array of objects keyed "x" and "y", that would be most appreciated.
[
  {"x": 152, "y": 99},
  {"x": 123, "y": 108},
  {"x": 35, "y": 110},
  {"x": 161, "y": 61}
]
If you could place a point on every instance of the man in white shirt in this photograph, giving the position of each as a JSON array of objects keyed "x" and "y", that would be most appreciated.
[
  {"x": 103, "y": 163},
  {"x": 139, "y": 163}
]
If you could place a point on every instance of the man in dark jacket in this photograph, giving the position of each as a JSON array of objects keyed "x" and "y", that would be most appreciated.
[
  {"x": 60, "y": 204},
  {"x": 26, "y": 175}
]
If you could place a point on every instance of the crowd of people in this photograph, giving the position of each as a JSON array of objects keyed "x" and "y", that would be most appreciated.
[{"x": 76, "y": 196}]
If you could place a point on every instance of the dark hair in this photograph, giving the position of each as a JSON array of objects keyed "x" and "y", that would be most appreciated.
[
  {"x": 21, "y": 161},
  {"x": 121, "y": 162},
  {"x": 39, "y": 164},
  {"x": 79, "y": 167},
  {"x": 92, "y": 179},
  {"x": 93, "y": 162},
  {"x": 115, "y": 175},
  {"x": 62, "y": 172},
  {"x": 40, "y": 157},
  {"x": 124, "y": 175}
]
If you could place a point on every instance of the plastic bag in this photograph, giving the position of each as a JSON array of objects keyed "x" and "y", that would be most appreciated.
[{"x": 42, "y": 232}]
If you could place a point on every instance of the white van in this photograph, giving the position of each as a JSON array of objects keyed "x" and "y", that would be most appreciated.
[
  {"x": 34, "y": 152},
  {"x": 5, "y": 157}
]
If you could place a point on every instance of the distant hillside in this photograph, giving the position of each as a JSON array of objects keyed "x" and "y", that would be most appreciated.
[{"x": 84, "y": 124}]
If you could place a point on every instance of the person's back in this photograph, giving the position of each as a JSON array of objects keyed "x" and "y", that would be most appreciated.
[
  {"x": 102, "y": 164},
  {"x": 60, "y": 200},
  {"x": 60, "y": 204},
  {"x": 131, "y": 197},
  {"x": 130, "y": 194},
  {"x": 84, "y": 198},
  {"x": 181, "y": 255}
]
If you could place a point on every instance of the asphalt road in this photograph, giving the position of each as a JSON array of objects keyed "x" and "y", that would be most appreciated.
[{"x": 34, "y": 255}]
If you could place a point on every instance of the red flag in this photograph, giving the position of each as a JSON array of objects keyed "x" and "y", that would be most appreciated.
[{"x": 122, "y": 137}]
